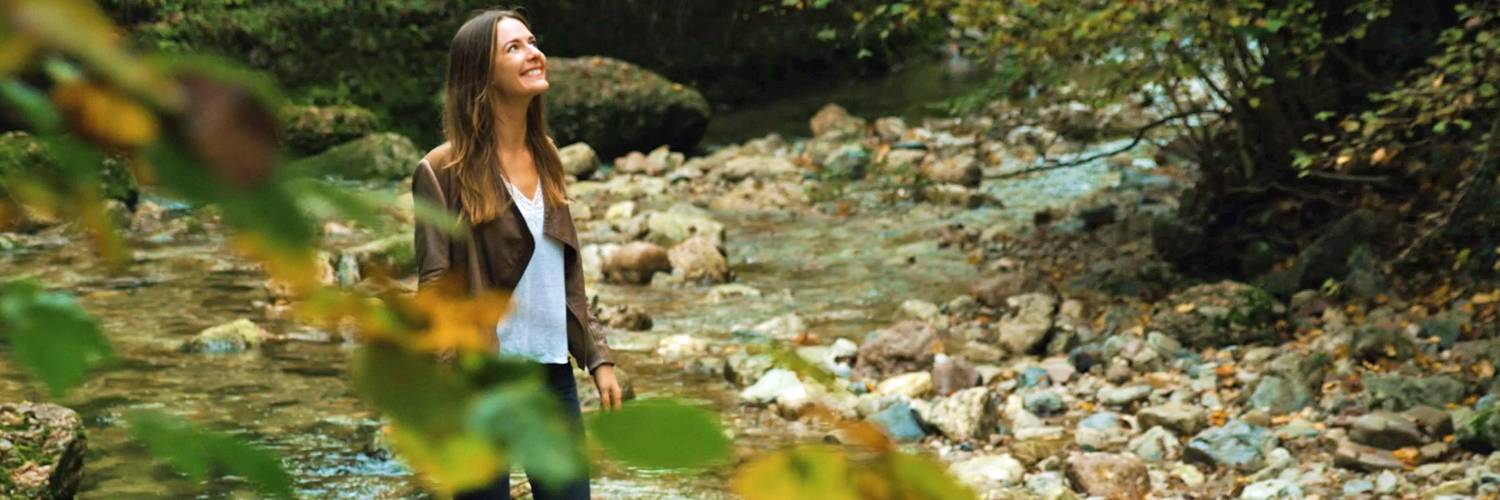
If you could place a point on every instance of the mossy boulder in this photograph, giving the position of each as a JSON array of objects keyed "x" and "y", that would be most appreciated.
[
  {"x": 309, "y": 130},
  {"x": 23, "y": 158},
  {"x": 1219, "y": 314},
  {"x": 379, "y": 156},
  {"x": 235, "y": 336},
  {"x": 618, "y": 107},
  {"x": 41, "y": 450}
]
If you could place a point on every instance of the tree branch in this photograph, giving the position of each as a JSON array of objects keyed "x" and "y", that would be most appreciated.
[{"x": 1140, "y": 136}]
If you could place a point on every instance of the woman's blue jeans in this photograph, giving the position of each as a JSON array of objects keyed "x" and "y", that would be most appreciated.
[{"x": 560, "y": 383}]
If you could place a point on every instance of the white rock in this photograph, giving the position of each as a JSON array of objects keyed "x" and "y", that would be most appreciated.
[
  {"x": 989, "y": 472},
  {"x": 620, "y": 211},
  {"x": 784, "y": 327},
  {"x": 965, "y": 415},
  {"x": 681, "y": 346},
  {"x": 770, "y": 385},
  {"x": 913, "y": 385}
]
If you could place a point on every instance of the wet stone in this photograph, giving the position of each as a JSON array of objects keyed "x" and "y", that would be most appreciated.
[
  {"x": 1044, "y": 403},
  {"x": 1236, "y": 444},
  {"x": 1109, "y": 475},
  {"x": 899, "y": 422},
  {"x": 1396, "y": 392},
  {"x": 1386, "y": 430}
]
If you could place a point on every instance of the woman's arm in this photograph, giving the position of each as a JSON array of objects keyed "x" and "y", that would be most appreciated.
[{"x": 431, "y": 242}]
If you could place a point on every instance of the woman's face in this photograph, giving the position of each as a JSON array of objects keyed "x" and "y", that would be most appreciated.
[{"x": 520, "y": 66}]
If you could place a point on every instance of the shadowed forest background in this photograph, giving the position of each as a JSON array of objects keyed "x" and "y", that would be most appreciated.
[{"x": 862, "y": 249}]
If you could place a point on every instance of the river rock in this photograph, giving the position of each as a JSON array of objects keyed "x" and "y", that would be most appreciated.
[
  {"x": 1271, "y": 489},
  {"x": 635, "y": 262},
  {"x": 899, "y": 422},
  {"x": 579, "y": 160},
  {"x": 42, "y": 449},
  {"x": 833, "y": 118},
  {"x": 963, "y": 170},
  {"x": 743, "y": 369},
  {"x": 913, "y": 385},
  {"x": 1121, "y": 396},
  {"x": 1181, "y": 418},
  {"x": 617, "y": 107},
  {"x": 994, "y": 291},
  {"x": 680, "y": 222},
  {"x": 1224, "y": 313},
  {"x": 1236, "y": 444},
  {"x": 1352, "y": 455},
  {"x": 1101, "y": 431},
  {"x": 680, "y": 346},
  {"x": 1278, "y": 396},
  {"x": 235, "y": 336},
  {"x": 1386, "y": 430},
  {"x": 1157, "y": 444},
  {"x": 967, "y": 414},
  {"x": 770, "y": 385},
  {"x": 988, "y": 472},
  {"x": 785, "y": 327},
  {"x": 902, "y": 160},
  {"x": 383, "y": 155},
  {"x": 890, "y": 128},
  {"x": 951, "y": 374},
  {"x": 1396, "y": 392},
  {"x": 635, "y": 162},
  {"x": 1028, "y": 322},
  {"x": 1043, "y": 402},
  {"x": 754, "y": 195},
  {"x": 760, "y": 167},
  {"x": 699, "y": 260},
  {"x": 1109, "y": 475},
  {"x": 623, "y": 316},
  {"x": 904, "y": 347},
  {"x": 848, "y": 162}
]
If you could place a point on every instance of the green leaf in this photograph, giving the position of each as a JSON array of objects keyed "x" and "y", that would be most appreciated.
[
  {"x": 53, "y": 337},
  {"x": 827, "y": 34},
  {"x": 923, "y": 478},
  {"x": 661, "y": 433},
  {"x": 33, "y": 106},
  {"x": 413, "y": 388},
  {"x": 525, "y": 420},
  {"x": 197, "y": 453}
]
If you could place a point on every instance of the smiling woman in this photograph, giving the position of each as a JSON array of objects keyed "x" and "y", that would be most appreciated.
[{"x": 500, "y": 172}]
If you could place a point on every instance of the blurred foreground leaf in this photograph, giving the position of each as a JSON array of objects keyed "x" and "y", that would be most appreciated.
[
  {"x": 53, "y": 337},
  {"x": 525, "y": 420},
  {"x": 661, "y": 434},
  {"x": 822, "y": 472},
  {"x": 448, "y": 464},
  {"x": 198, "y": 453}
]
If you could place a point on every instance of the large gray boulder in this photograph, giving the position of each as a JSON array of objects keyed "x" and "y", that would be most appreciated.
[
  {"x": 618, "y": 107},
  {"x": 385, "y": 155}
]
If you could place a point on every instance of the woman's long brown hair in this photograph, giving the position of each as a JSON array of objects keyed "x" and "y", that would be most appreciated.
[{"x": 470, "y": 124}]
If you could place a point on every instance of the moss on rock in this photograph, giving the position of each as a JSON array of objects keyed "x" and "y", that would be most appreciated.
[
  {"x": 618, "y": 107},
  {"x": 385, "y": 155},
  {"x": 311, "y": 129}
]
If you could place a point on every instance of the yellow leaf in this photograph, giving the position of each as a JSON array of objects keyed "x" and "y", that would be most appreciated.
[
  {"x": 449, "y": 464},
  {"x": 105, "y": 116},
  {"x": 809, "y": 472},
  {"x": 1379, "y": 156},
  {"x": 1186, "y": 308}
]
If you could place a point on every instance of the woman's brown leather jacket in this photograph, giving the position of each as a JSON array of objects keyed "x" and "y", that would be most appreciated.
[{"x": 495, "y": 255}]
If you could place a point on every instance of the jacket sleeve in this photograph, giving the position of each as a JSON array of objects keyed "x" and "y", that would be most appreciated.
[
  {"x": 431, "y": 243},
  {"x": 600, "y": 353}
]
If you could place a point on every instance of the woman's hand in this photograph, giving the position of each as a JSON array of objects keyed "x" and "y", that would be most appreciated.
[{"x": 609, "y": 388}]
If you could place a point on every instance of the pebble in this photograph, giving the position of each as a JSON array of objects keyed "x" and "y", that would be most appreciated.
[{"x": 1121, "y": 396}]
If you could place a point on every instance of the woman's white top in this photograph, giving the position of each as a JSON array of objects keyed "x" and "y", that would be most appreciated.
[{"x": 536, "y": 328}]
